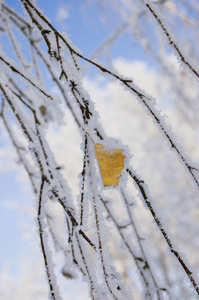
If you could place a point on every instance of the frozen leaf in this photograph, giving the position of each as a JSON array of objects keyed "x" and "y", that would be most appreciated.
[
  {"x": 43, "y": 110},
  {"x": 111, "y": 162}
]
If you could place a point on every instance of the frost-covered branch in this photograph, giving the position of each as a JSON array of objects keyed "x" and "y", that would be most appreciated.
[
  {"x": 177, "y": 48},
  {"x": 20, "y": 149},
  {"x": 143, "y": 191},
  {"x": 141, "y": 261},
  {"x": 47, "y": 260}
]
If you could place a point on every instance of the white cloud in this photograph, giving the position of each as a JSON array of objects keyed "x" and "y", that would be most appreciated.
[
  {"x": 120, "y": 113},
  {"x": 143, "y": 75},
  {"x": 62, "y": 13}
]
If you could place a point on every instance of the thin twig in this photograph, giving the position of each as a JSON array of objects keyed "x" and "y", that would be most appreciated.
[
  {"x": 140, "y": 262},
  {"x": 51, "y": 281},
  {"x": 15, "y": 70},
  {"x": 171, "y": 40},
  {"x": 92, "y": 287},
  {"x": 18, "y": 150},
  {"x": 140, "y": 245},
  {"x": 85, "y": 162}
]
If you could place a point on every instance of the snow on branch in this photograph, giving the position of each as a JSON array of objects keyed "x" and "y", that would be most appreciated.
[
  {"x": 145, "y": 196},
  {"x": 172, "y": 41}
]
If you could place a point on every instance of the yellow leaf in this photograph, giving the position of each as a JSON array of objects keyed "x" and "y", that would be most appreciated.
[{"x": 111, "y": 162}]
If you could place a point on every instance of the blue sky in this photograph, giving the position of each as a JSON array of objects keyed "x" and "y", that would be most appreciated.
[{"x": 87, "y": 28}]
